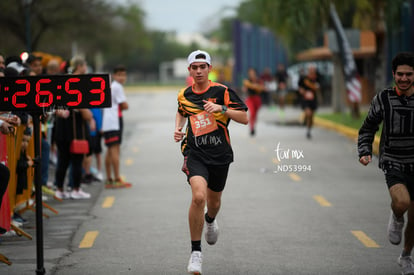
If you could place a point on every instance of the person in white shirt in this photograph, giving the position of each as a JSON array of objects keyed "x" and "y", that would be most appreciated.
[{"x": 112, "y": 126}]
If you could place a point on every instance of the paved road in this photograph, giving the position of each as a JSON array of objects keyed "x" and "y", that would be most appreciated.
[{"x": 272, "y": 221}]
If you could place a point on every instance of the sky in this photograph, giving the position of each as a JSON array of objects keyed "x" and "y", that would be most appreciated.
[{"x": 185, "y": 16}]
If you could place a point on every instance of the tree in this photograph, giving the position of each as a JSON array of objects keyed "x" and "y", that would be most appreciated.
[
  {"x": 127, "y": 41},
  {"x": 96, "y": 27},
  {"x": 30, "y": 21},
  {"x": 302, "y": 23}
]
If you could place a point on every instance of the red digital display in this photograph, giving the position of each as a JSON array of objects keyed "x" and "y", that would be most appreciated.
[{"x": 31, "y": 93}]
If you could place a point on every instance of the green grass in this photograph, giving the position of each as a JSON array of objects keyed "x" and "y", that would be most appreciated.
[
  {"x": 347, "y": 120},
  {"x": 344, "y": 118}
]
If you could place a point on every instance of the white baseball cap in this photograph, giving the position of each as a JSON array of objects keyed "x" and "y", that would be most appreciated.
[
  {"x": 17, "y": 66},
  {"x": 199, "y": 56}
]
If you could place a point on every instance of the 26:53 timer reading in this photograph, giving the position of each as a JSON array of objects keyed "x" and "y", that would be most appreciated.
[{"x": 30, "y": 93}]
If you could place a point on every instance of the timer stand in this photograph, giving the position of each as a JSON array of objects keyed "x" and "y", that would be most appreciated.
[
  {"x": 38, "y": 194},
  {"x": 34, "y": 94}
]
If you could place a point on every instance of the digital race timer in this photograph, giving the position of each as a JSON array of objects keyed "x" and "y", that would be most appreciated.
[{"x": 30, "y": 93}]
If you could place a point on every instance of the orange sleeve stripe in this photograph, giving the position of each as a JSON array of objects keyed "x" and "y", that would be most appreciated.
[
  {"x": 226, "y": 98},
  {"x": 226, "y": 132}
]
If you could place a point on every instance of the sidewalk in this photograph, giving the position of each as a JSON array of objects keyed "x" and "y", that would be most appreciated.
[{"x": 58, "y": 231}]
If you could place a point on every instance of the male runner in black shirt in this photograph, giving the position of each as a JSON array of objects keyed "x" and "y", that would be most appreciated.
[
  {"x": 208, "y": 108},
  {"x": 395, "y": 108}
]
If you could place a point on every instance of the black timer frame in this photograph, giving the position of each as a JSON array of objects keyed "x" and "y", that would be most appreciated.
[{"x": 36, "y": 112}]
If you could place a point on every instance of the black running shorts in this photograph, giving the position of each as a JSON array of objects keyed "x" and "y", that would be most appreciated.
[
  {"x": 394, "y": 176},
  {"x": 215, "y": 175},
  {"x": 96, "y": 144},
  {"x": 311, "y": 104},
  {"x": 112, "y": 138}
]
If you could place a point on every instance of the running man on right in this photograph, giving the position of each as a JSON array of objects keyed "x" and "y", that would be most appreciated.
[{"x": 395, "y": 108}]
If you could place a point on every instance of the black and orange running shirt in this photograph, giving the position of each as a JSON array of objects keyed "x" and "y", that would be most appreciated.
[{"x": 207, "y": 135}]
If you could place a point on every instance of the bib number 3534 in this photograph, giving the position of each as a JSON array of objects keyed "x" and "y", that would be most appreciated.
[{"x": 203, "y": 123}]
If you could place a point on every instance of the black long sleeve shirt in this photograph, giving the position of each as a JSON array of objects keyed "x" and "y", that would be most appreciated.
[{"x": 397, "y": 137}]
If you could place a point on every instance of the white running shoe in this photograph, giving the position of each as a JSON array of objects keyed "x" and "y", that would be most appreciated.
[
  {"x": 77, "y": 195},
  {"x": 99, "y": 176},
  {"x": 62, "y": 195},
  {"x": 194, "y": 264},
  {"x": 407, "y": 265},
  {"x": 395, "y": 228},
  {"x": 10, "y": 233},
  {"x": 212, "y": 232}
]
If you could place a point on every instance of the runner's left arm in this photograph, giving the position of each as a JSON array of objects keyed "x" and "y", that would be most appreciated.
[
  {"x": 236, "y": 110},
  {"x": 239, "y": 116}
]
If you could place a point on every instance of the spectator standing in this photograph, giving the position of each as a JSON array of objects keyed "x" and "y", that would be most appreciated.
[
  {"x": 34, "y": 62},
  {"x": 112, "y": 127},
  {"x": 46, "y": 143},
  {"x": 64, "y": 134},
  {"x": 95, "y": 149},
  {"x": 4, "y": 183},
  {"x": 5, "y": 128},
  {"x": 23, "y": 164},
  {"x": 2, "y": 62},
  {"x": 53, "y": 67}
]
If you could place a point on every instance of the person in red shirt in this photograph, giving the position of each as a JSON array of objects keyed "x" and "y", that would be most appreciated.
[{"x": 254, "y": 88}]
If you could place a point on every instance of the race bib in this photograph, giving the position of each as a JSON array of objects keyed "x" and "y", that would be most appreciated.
[{"x": 203, "y": 123}]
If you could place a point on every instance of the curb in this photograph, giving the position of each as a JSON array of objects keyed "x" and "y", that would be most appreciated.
[{"x": 346, "y": 131}]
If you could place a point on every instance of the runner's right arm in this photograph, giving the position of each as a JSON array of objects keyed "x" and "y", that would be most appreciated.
[
  {"x": 367, "y": 131},
  {"x": 179, "y": 124}
]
